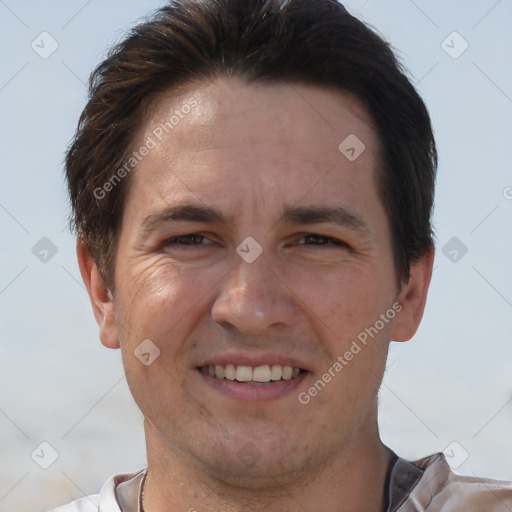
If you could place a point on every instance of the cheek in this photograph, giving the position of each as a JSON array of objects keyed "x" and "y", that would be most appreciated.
[
  {"x": 341, "y": 301},
  {"x": 157, "y": 299},
  {"x": 158, "y": 303},
  {"x": 345, "y": 311},
  {"x": 353, "y": 376}
]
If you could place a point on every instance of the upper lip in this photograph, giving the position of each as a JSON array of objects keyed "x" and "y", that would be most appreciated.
[{"x": 253, "y": 359}]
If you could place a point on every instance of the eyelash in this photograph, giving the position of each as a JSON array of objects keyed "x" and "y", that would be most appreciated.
[
  {"x": 333, "y": 241},
  {"x": 173, "y": 241},
  {"x": 330, "y": 240}
]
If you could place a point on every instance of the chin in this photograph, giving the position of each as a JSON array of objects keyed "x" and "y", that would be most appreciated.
[{"x": 257, "y": 458}]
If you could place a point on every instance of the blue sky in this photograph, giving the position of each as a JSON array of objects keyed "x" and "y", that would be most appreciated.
[{"x": 451, "y": 383}]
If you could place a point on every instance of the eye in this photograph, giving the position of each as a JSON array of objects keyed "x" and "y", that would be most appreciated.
[
  {"x": 313, "y": 239},
  {"x": 191, "y": 239}
]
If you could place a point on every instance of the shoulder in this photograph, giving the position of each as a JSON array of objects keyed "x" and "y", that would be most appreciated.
[
  {"x": 87, "y": 504},
  {"x": 108, "y": 498},
  {"x": 439, "y": 489}
]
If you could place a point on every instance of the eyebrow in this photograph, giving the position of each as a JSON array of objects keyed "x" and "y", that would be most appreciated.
[
  {"x": 186, "y": 212},
  {"x": 292, "y": 215},
  {"x": 326, "y": 214}
]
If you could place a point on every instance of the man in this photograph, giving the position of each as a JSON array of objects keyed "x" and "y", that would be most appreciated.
[{"x": 252, "y": 185}]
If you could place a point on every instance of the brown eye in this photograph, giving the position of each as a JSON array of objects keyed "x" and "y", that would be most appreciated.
[
  {"x": 192, "y": 239},
  {"x": 312, "y": 239}
]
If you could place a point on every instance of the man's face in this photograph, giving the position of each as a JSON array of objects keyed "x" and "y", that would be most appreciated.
[{"x": 255, "y": 168}]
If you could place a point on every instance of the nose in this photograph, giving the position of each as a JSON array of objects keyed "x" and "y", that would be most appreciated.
[{"x": 253, "y": 299}]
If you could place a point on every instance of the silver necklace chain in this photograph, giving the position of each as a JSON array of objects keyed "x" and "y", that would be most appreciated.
[{"x": 143, "y": 488}]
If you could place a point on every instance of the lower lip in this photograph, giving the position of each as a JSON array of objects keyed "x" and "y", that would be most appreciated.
[{"x": 254, "y": 392}]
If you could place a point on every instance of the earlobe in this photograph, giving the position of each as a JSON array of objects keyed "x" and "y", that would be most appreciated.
[
  {"x": 101, "y": 297},
  {"x": 412, "y": 298}
]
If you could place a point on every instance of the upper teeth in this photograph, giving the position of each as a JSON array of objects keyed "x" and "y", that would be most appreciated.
[{"x": 241, "y": 373}]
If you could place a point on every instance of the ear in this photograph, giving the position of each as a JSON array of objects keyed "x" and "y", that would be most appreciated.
[
  {"x": 412, "y": 298},
  {"x": 100, "y": 296}
]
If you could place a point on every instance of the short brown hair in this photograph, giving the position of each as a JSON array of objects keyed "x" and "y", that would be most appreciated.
[{"x": 314, "y": 42}]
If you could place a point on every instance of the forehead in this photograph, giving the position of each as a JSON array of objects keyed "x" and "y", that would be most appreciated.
[
  {"x": 243, "y": 109},
  {"x": 255, "y": 143}
]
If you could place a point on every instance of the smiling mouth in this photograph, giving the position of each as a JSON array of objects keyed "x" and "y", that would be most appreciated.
[{"x": 252, "y": 375}]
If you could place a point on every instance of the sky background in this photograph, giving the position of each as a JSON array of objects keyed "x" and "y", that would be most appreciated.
[{"x": 450, "y": 388}]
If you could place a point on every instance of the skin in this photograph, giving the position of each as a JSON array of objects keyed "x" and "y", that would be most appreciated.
[{"x": 251, "y": 151}]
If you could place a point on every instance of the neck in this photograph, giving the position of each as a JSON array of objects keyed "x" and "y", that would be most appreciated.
[{"x": 352, "y": 481}]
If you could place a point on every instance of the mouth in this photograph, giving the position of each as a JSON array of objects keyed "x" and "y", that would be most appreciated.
[{"x": 252, "y": 375}]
